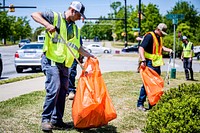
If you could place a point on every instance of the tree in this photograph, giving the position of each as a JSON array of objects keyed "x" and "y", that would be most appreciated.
[
  {"x": 191, "y": 18},
  {"x": 5, "y": 23},
  {"x": 13, "y": 28},
  {"x": 114, "y": 6}
]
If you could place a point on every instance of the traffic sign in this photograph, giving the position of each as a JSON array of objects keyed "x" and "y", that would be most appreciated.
[
  {"x": 175, "y": 16},
  {"x": 136, "y": 29}
]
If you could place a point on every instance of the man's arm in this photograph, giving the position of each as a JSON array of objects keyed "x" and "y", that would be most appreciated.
[
  {"x": 83, "y": 52},
  {"x": 37, "y": 16},
  {"x": 167, "y": 49},
  {"x": 141, "y": 52}
]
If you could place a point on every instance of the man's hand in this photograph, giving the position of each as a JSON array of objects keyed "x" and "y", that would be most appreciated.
[
  {"x": 143, "y": 64},
  {"x": 50, "y": 28}
]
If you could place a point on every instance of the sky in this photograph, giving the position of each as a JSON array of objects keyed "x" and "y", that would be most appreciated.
[{"x": 94, "y": 8}]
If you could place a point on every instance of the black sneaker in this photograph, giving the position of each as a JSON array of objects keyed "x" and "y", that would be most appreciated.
[
  {"x": 46, "y": 126},
  {"x": 61, "y": 126}
]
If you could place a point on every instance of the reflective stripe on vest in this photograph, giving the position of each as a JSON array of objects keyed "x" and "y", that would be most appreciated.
[
  {"x": 156, "y": 55},
  {"x": 57, "y": 51},
  {"x": 187, "y": 50}
]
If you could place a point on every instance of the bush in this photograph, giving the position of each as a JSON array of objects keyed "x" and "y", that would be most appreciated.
[{"x": 178, "y": 111}]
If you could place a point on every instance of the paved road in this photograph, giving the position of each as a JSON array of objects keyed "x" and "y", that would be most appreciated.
[{"x": 107, "y": 62}]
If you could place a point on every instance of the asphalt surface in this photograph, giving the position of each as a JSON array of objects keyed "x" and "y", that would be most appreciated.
[{"x": 107, "y": 63}]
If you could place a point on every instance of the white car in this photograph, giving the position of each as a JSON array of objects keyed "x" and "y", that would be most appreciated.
[
  {"x": 197, "y": 52},
  {"x": 28, "y": 56},
  {"x": 97, "y": 48}
]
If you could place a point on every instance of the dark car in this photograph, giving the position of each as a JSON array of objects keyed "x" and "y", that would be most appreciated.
[
  {"x": 23, "y": 41},
  {"x": 1, "y": 65},
  {"x": 133, "y": 48}
]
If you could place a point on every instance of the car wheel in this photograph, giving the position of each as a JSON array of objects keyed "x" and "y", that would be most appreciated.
[
  {"x": 19, "y": 70},
  {"x": 106, "y": 51},
  {"x": 90, "y": 51},
  {"x": 198, "y": 56}
]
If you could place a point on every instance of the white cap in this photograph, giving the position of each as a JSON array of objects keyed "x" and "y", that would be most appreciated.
[
  {"x": 162, "y": 27},
  {"x": 184, "y": 38},
  {"x": 79, "y": 7}
]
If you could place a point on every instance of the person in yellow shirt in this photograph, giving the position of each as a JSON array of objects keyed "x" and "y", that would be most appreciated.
[
  {"x": 57, "y": 59},
  {"x": 186, "y": 57}
]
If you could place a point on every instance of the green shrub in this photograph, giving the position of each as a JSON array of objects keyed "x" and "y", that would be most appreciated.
[{"x": 178, "y": 111}]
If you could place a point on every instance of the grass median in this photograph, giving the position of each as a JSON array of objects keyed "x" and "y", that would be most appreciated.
[{"x": 23, "y": 114}]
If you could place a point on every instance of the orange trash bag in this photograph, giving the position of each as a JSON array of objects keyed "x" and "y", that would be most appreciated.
[
  {"x": 153, "y": 84},
  {"x": 92, "y": 106}
]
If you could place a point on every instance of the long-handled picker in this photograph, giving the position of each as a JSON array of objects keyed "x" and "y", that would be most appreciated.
[{"x": 168, "y": 69}]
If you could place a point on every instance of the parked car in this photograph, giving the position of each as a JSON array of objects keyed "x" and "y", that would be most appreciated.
[
  {"x": 97, "y": 48},
  {"x": 1, "y": 65},
  {"x": 28, "y": 56},
  {"x": 133, "y": 48},
  {"x": 197, "y": 52},
  {"x": 23, "y": 41}
]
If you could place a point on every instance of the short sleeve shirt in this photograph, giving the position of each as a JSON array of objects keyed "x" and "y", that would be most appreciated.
[
  {"x": 49, "y": 17},
  {"x": 147, "y": 43}
]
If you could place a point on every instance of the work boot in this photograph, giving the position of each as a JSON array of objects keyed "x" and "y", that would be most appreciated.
[
  {"x": 187, "y": 74},
  {"x": 61, "y": 126},
  {"x": 46, "y": 126},
  {"x": 71, "y": 95}
]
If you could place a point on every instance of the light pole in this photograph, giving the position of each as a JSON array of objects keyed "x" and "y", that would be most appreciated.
[
  {"x": 139, "y": 17},
  {"x": 125, "y": 26}
]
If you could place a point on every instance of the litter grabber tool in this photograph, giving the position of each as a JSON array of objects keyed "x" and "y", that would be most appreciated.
[
  {"x": 168, "y": 69},
  {"x": 64, "y": 41}
]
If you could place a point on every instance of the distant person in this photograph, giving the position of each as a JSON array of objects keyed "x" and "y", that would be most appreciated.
[
  {"x": 150, "y": 46},
  {"x": 186, "y": 57},
  {"x": 57, "y": 58}
]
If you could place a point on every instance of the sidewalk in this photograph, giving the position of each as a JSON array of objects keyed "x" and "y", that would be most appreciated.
[{"x": 15, "y": 89}]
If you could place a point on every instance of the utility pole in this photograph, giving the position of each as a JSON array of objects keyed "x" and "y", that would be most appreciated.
[
  {"x": 139, "y": 19},
  {"x": 4, "y": 5},
  {"x": 125, "y": 26}
]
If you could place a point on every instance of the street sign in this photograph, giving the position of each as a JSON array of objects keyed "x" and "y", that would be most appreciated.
[
  {"x": 175, "y": 16},
  {"x": 136, "y": 29}
]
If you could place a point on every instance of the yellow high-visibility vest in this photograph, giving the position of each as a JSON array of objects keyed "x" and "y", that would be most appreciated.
[
  {"x": 187, "y": 50},
  {"x": 58, "y": 51}
]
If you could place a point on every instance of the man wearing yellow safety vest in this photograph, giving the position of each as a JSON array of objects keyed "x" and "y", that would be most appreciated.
[
  {"x": 186, "y": 57},
  {"x": 150, "y": 52},
  {"x": 57, "y": 59}
]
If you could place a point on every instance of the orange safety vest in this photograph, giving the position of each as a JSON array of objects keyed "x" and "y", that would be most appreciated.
[{"x": 156, "y": 55}]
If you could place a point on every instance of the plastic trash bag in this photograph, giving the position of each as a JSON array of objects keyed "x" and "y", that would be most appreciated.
[
  {"x": 92, "y": 106},
  {"x": 153, "y": 84}
]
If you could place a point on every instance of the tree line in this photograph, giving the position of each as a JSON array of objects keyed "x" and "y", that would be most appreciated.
[
  {"x": 151, "y": 17},
  {"x": 15, "y": 28}
]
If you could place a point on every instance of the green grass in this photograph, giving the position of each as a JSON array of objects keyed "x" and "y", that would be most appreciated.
[
  {"x": 23, "y": 114},
  {"x": 21, "y": 78}
]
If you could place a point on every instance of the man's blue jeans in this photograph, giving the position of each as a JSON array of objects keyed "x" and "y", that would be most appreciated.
[
  {"x": 56, "y": 85},
  {"x": 72, "y": 77},
  {"x": 143, "y": 95}
]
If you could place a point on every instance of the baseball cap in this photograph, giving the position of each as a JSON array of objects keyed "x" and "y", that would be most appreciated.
[
  {"x": 79, "y": 7},
  {"x": 162, "y": 27},
  {"x": 184, "y": 38}
]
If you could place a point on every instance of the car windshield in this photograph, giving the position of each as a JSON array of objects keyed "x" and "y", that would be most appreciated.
[
  {"x": 34, "y": 46},
  {"x": 24, "y": 41}
]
